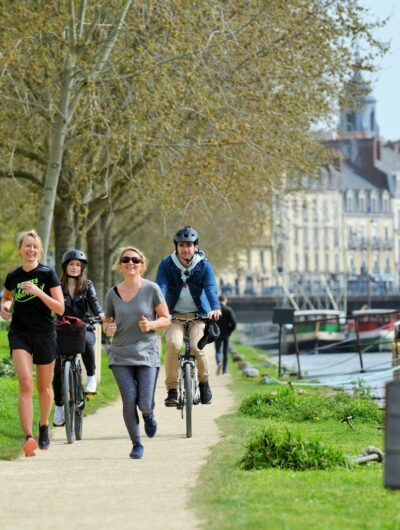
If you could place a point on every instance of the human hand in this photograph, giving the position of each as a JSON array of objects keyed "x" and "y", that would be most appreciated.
[
  {"x": 145, "y": 324},
  {"x": 215, "y": 314},
  {"x": 30, "y": 287},
  {"x": 5, "y": 313},
  {"x": 110, "y": 327}
]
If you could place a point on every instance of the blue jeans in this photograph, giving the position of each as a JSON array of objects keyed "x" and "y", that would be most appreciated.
[
  {"x": 222, "y": 343},
  {"x": 137, "y": 385}
]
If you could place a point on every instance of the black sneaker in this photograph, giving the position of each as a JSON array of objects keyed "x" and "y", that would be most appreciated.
[
  {"x": 150, "y": 425},
  {"x": 44, "y": 438},
  {"x": 137, "y": 451},
  {"x": 172, "y": 398},
  {"x": 205, "y": 393}
]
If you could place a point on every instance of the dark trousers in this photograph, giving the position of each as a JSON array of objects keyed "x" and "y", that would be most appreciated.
[
  {"x": 222, "y": 343},
  {"x": 137, "y": 385}
]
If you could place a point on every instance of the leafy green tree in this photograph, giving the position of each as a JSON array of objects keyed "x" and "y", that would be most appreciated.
[{"x": 170, "y": 112}]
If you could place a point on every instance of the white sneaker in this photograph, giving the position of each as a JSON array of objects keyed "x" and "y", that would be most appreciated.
[
  {"x": 91, "y": 385},
  {"x": 58, "y": 418}
]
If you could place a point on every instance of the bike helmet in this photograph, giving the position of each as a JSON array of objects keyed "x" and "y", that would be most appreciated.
[
  {"x": 187, "y": 234},
  {"x": 74, "y": 254}
]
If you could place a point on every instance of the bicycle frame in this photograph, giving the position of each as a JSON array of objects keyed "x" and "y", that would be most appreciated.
[{"x": 188, "y": 381}]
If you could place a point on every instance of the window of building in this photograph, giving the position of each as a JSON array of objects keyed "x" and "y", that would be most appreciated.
[
  {"x": 386, "y": 203},
  {"x": 374, "y": 202},
  {"x": 305, "y": 212},
  {"x": 362, "y": 202},
  {"x": 326, "y": 210},
  {"x": 316, "y": 237},
  {"x": 349, "y": 201},
  {"x": 316, "y": 261},
  {"x": 305, "y": 237},
  {"x": 327, "y": 262},
  {"x": 326, "y": 237},
  {"x": 387, "y": 264},
  {"x": 376, "y": 263},
  {"x": 338, "y": 267},
  {"x": 262, "y": 261},
  {"x": 351, "y": 263}
]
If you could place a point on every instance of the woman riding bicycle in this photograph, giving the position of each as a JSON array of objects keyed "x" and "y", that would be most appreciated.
[
  {"x": 32, "y": 292},
  {"x": 80, "y": 301}
]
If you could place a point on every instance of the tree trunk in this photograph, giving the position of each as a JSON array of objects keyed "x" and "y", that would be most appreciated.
[
  {"x": 64, "y": 230},
  {"x": 95, "y": 254}
]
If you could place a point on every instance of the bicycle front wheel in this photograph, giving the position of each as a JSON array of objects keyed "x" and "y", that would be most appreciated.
[
  {"x": 188, "y": 399},
  {"x": 79, "y": 404},
  {"x": 69, "y": 402}
]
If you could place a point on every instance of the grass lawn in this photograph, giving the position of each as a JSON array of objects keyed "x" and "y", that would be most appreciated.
[
  {"x": 11, "y": 436},
  {"x": 229, "y": 497}
]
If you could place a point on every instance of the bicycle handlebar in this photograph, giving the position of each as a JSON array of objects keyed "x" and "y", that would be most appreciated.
[
  {"x": 93, "y": 320},
  {"x": 193, "y": 319}
]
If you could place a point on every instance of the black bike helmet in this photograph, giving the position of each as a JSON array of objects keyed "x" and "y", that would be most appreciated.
[
  {"x": 187, "y": 234},
  {"x": 74, "y": 254}
]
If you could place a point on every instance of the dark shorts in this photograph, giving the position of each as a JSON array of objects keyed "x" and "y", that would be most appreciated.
[{"x": 42, "y": 346}]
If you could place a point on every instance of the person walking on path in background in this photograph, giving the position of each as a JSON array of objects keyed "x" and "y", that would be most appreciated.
[
  {"x": 31, "y": 293},
  {"x": 226, "y": 324},
  {"x": 187, "y": 280},
  {"x": 134, "y": 310},
  {"x": 81, "y": 301}
]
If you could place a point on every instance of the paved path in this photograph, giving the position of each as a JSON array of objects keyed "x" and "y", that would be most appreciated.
[{"x": 93, "y": 484}]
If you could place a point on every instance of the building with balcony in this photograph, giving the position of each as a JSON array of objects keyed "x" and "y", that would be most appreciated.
[{"x": 344, "y": 225}]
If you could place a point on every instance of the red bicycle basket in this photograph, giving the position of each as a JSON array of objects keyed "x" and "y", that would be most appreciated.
[{"x": 71, "y": 335}]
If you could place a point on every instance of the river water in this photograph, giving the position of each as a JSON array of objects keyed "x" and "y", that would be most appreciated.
[
  {"x": 342, "y": 369},
  {"x": 332, "y": 369}
]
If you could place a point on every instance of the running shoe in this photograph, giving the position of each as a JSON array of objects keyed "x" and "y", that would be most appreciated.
[
  {"x": 58, "y": 418},
  {"x": 137, "y": 451},
  {"x": 150, "y": 425},
  {"x": 44, "y": 438},
  {"x": 30, "y": 446}
]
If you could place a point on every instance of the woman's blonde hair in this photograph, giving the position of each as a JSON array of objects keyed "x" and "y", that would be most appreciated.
[
  {"x": 121, "y": 251},
  {"x": 29, "y": 233}
]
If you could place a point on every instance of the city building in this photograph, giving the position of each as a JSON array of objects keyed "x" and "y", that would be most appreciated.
[{"x": 341, "y": 232}]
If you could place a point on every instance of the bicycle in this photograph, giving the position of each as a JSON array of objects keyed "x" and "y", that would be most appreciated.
[
  {"x": 188, "y": 380},
  {"x": 71, "y": 342}
]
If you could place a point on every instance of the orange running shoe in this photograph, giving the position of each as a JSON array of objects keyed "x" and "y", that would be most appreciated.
[{"x": 30, "y": 446}]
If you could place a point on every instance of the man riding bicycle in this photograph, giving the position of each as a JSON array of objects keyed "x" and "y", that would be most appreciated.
[{"x": 187, "y": 281}]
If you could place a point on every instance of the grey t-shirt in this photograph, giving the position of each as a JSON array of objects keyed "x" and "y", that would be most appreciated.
[{"x": 129, "y": 345}]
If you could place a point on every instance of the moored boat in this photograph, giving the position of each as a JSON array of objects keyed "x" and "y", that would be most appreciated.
[
  {"x": 314, "y": 330},
  {"x": 372, "y": 329}
]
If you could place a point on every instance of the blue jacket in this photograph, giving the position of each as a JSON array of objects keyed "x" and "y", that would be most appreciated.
[{"x": 201, "y": 283}]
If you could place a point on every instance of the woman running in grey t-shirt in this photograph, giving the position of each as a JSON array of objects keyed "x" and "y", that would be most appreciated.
[{"x": 134, "y": 310}]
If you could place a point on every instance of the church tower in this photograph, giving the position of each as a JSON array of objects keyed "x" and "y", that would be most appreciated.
[{"x": 360, "y": 121}]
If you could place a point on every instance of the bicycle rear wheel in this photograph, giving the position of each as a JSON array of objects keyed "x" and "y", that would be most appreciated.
[
  {"x": 69, "y": 403},
  {"x": 188, "y": 399}
]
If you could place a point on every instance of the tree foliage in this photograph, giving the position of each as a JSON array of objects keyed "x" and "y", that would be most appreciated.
[{"x": 162, "y": 113}]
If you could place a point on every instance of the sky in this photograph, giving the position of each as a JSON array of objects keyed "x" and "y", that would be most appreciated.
[{"x": 386, "y": 82}]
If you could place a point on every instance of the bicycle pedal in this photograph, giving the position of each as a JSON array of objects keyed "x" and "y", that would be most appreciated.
[{"x": 90, "y": 394}]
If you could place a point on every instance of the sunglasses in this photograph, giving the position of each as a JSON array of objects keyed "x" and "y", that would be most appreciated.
[{"x": 127, "y": 259}]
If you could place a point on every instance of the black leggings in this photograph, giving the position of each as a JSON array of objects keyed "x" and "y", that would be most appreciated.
[{"x": 88, "y": 359}]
